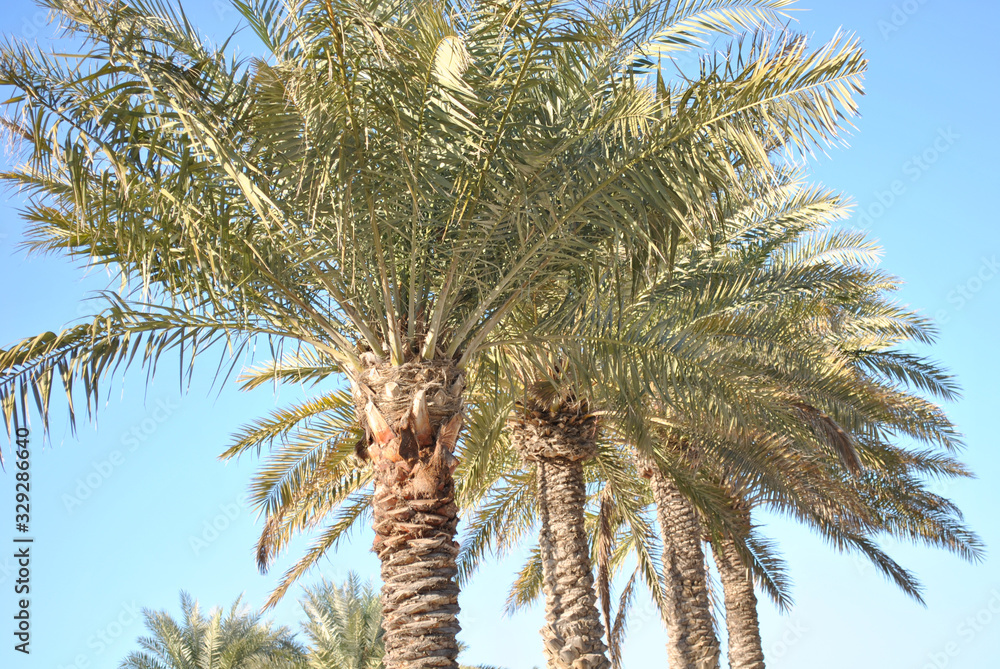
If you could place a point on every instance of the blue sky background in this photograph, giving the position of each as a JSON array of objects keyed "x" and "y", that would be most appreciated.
[{"x": 128, "y": 513}]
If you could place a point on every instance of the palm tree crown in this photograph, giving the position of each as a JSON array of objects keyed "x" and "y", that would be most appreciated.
[
  {"x": 236, "y": 639},
  {"x": 344, "y": 627}
]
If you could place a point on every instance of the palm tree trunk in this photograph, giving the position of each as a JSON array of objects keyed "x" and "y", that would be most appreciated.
[
  {"x": 559, "y": 443},
  {"x": 413, "y": 414},
  {"x": 692, "y": 642},
  {"x": 745, "y": 651}
]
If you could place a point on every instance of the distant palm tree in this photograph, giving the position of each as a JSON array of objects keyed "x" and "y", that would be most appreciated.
[
  {"x": 345, "y": 626},
  {"x": 890, "y": 497},
  {"x": 236, "y": 640}
]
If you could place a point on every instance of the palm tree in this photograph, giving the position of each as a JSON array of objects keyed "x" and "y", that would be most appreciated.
[
  {"x": 890, "y": 496},
  {"x": 556, "y": 433},
  {"x": 376, "y": 195},
  {"x": 344, "y": 627},
  {"x": 876, "y": 404},
  {"x": 852, "y": 419},
  {"x": 790, "y": 433},
  {"x": 237, "y": 639}
]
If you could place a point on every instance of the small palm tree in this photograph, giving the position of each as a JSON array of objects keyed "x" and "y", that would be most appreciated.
[
  {"x": 237, "y": 639},
  {"x": 345, "y": 626}
]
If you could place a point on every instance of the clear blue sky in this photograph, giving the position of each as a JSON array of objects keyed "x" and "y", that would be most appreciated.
[{"x": 922, "y": 169}]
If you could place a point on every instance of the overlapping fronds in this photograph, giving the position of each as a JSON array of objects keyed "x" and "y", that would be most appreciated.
[
  {"x": 393, "y": 177},
  {"x": 750, "y": 351},
  {"x": 122, "y": 334},
  {"x": 344, "y": 625},
  {"x": 221, "y": 640},
  {"x": 526, "y": 189}
]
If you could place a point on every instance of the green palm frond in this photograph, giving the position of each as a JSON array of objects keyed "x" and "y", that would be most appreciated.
[
  {"x": 123, "y": 334},
  {"x": 268, "y": 187},
  {"x": 233, "y": 639},
  {"x": 344, "y": 626},
  {"x": 353, "y": 508},
  {"x": 328, "y": 417}
]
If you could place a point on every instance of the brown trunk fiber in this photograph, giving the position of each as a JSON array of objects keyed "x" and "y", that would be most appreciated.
[
  {"x": 745, "y": 651},
  {"x": 413, "y": 414},
  {"x": 692, "y": 642},
  {"x": 559, "y": 444}
]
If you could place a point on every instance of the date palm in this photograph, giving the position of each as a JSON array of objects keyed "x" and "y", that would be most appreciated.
[
  {"x": 877, "y": 403},
  {"x": 890, "y": 496},
  {"x": 344, "y": 626},
  {"x": 786, "y": 456},
  {"x": 853, "y": 412},
  {"x": 373, "y": 197},
  {"x": 235, "y": 639},
  {"x": 699, "y": 293}
]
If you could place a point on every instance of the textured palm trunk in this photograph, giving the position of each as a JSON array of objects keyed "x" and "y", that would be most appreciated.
[
  {"x": 559, "y": 444},
  {"x": 691, "y": 639},
  {"x": 745, "y": 651},
  {"x": 413, "y": 414}
]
